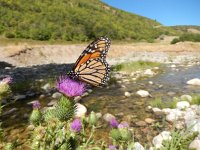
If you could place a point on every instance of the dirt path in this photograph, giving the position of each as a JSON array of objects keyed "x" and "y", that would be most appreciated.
[{"x": 28, "y": 55}]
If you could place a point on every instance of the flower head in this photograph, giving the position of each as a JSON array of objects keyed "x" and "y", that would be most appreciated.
[
  {"x": 76, "y": 125},
  {"x": 36, "y": 105},
  {"x": 123, "y": 124},
  {"x": 7, "y": 80},
  {"x": 112, "y": 147},
  {"x": 114, "y": 123},
  {"x": 70, "y": 87}
]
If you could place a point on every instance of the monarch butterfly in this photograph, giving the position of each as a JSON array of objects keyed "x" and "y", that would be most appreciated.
[{"x": 91, "y": 66}]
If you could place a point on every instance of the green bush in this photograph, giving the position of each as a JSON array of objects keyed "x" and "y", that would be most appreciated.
[
  {"x": 187, "y": 37},
  {"x": 74, "y": 20}
]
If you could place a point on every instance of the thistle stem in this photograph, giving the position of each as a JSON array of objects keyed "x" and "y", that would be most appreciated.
[{"x": 91, "y": 135}]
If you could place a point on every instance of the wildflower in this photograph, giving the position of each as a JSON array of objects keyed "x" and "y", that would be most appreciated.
[
  {"x": 112, "y": 147},
  {"x": 114, "y": 123},
  {"x": 123, "y": 124},
  {"x": 7, "y": 80},
  {"x": 76, "y": 125},
  {"x": 70, "y": 87},
  {"x": 36, "y": 105}
]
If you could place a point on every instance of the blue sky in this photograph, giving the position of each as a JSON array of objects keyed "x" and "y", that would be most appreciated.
[{"x": 167, "y": 12}]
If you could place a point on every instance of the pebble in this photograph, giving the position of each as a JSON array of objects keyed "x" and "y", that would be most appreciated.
[
  {"x": 52, "y": 102},
  {"x": 107, "y": 117},
  {"x": 85, "y": 94},
  {"x": 56, "y": 95},
  {"x": 186, "y": 98},
  {"x": 182, "y": 105},
  {"x": 138, "y": 146},
  {"x": 143, "y": 93},
  {"x": 81, "y": 110},
  {"x": 141, "y": 123},
  {"x": 149, "y": 72},
  {"x": 127, "y": 94},
  {"x": 157, "y": 140},
  {"x": 151, "y": 82},
  {"x": 77, "y": 98},
  {"x": 173, "y": 66},
  {"x": 89, "y": 90},
  {"x": 171, "y": 93},
  {"x": 195, "y": 145},
  {"x": 46, "y": 87},
  {"x": 149, "y": 120}
]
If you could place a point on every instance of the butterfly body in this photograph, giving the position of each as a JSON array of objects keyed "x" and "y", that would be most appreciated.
[{"x": 91, "y": 67}]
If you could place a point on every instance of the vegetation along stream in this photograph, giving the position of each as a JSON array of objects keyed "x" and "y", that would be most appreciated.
[{"x": 169, "y": 83}]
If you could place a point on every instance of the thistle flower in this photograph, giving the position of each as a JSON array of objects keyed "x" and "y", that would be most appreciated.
[
  {"x": 123, "y": 124},
  {"x": 36, "y": 105},
  {"x": 114, "y": 123},
  {"x": 70, "y": 87},
  {"x": 112, "y": 147},
  {"x": 7, "y": 80},
  {"x": 76, "y": 125}
]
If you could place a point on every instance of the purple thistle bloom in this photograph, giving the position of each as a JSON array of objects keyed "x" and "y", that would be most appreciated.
[
  {"x": 36, "y": 105},
  {"x": 76, "y": 125},
  {"x": 7, "y": 80},
  {"x": 114, "y": 123},
  {"x": 123, "y": 124},
  {"x": 112, "y": 147},
  {"x": 70, "y": 87}
]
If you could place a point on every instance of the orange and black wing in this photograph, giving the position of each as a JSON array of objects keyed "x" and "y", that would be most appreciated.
[
  {"x": 94, "y": 71},
  {"x": 97, "y": 49}
]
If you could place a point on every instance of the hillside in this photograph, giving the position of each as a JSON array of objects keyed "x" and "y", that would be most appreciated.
[
  {"x": 74, "y": 20},
  {"x": 187, "y": 29}
]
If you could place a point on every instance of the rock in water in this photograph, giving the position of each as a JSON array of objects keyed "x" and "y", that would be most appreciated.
[
  {"x": 81, "y": 110},
  {"x": 195, "y": 81},
  {"x": 143, "y": 93},
  {"x": 182, "y": 105}
]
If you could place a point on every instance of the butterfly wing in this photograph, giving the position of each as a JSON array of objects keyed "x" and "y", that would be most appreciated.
[
  {"x": 97, "y": 49},
  {"x": 94, "y": 71},
  {"x": 91, "y": 67}
]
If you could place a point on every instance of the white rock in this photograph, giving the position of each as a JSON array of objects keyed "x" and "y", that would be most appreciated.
[
  {"x": 107, "y": 117},
  {"x": 81, "y": 110},
  {"x": 77, "y": 98},
  {"x": 89, "y": 90},
  {"x": 186, "y": 98},
  {"x": 166, "y": 110},
  {"x": 149, "y": 72},
  {"x": 156, "y": 68},
  {"x": 182, "y": 105},
  {"x": 138, "y": 146},
  {"x": 127, "y": 94},
  {"x": 46, "y": 87},
  {"x": 157, "y": 140},
  {"x": 56, "y": 95},
  {"x": 143, "y": 93},
  {"x": 189, "y": 114},
  {"x": 149, "y": 107},
  {"x": 195, "y": 144},
  {"x": 193, "y": 124},
  {"x": 52, "y": 102},
  {"x": 155, "y": 110},
  {"x": 173, "y": 66},
  {"x": 175, "y": 114},
  {"x": 195, "y": 81},
  {"x": 151, "y": 82},
  {"x": 85, "y": 94}
]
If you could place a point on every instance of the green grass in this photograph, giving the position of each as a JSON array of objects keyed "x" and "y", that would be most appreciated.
[
  {"x": 74, "y": 20},
  {"x": 187, "y": 37},
  {"x": 196, "y": 99},
  {"x": 180, "y": 140},
  {"x": 157, "y": 102},
  {"x": 135, "y": 66}
]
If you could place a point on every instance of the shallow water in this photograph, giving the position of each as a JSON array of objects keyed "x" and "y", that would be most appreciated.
[{"x": 112, "y": 100}]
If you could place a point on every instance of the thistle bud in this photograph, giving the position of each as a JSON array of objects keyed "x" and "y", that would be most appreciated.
[
  {"x": 115, "y": 134},
  {"x": 125, "y": 134},
  {"x": 35, "y": 117},
  {"x": 92, "y": 118}
]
